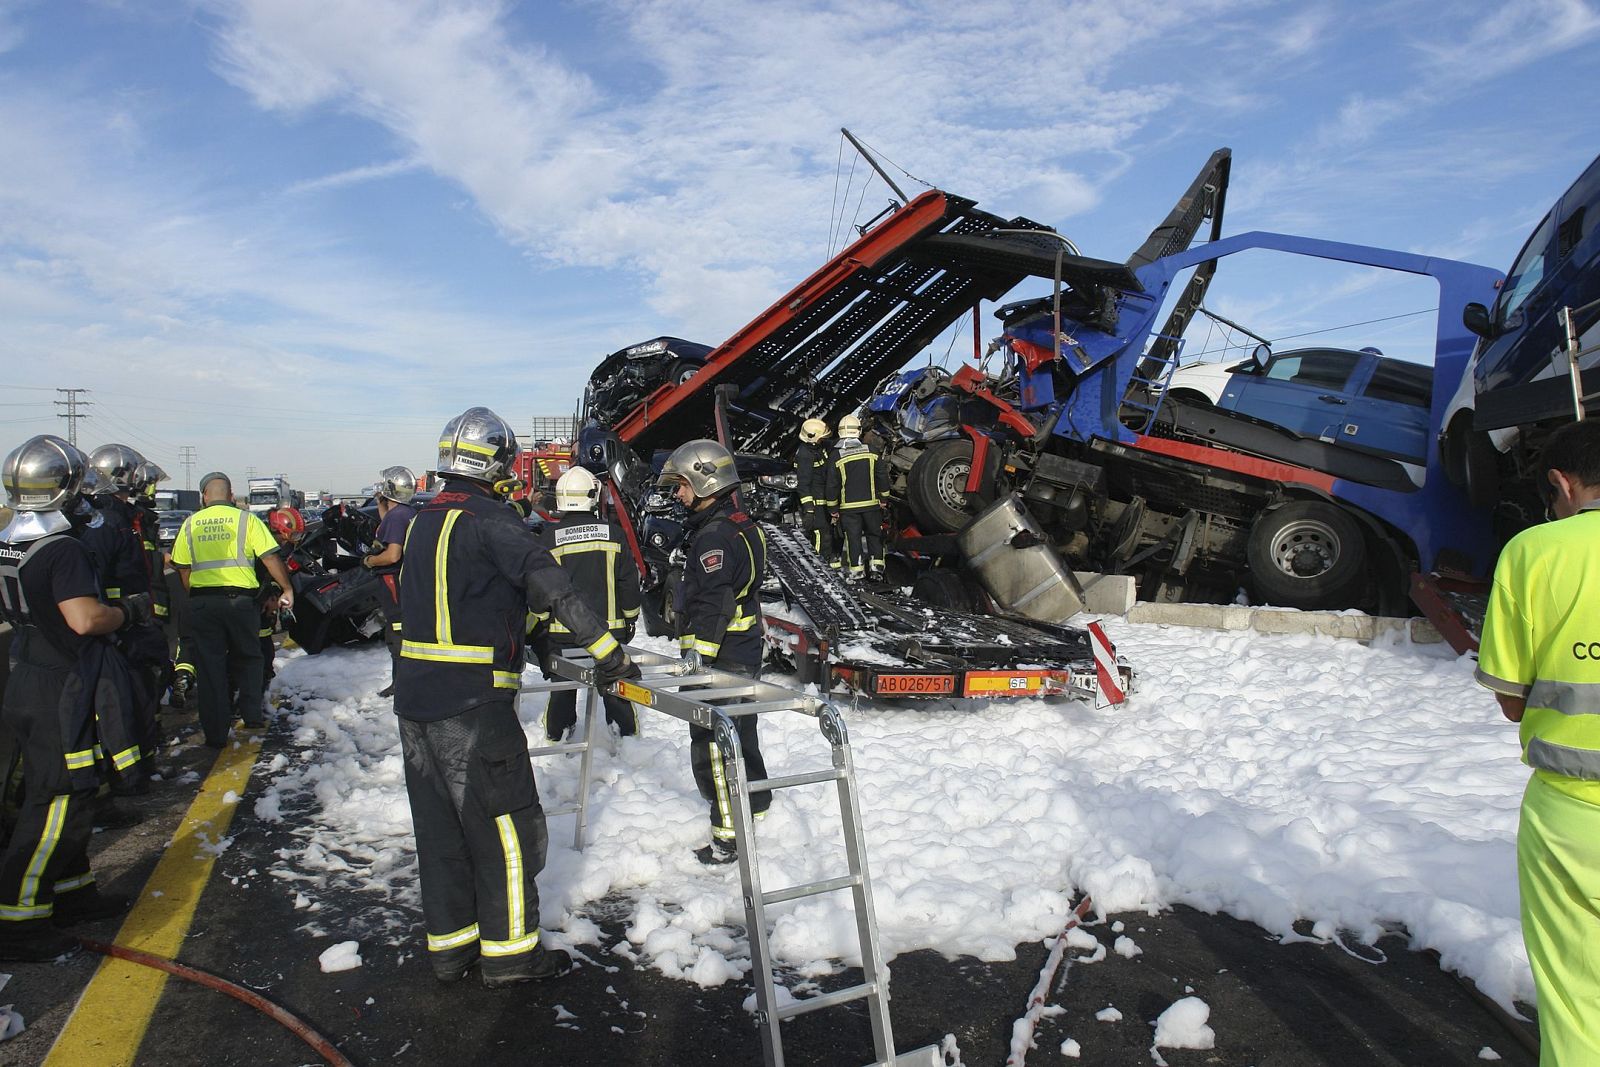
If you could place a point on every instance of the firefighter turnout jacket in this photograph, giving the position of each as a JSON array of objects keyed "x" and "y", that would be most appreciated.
[
  {"x": 857, "y": 477},
  {"x": 90, "y": 685},
  {"x": 720, "y": 596},
  {"x": 116, "y": 550},
  {"x": 811, "y": 475},
  {"x": 147, "y": 524},
  {"x": 1541, "y": 642},
  {"x": 473, "y": 571},
  {"x": 592, "y": 552}
]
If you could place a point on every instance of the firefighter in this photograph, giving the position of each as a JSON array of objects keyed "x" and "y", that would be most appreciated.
[
  {"x": 117, "y": 550},
  {"x": 396, "y": 487},
  {"x": 287, "y": 526},
  {"x": 215, "y": 555},
  {"x": 68, "y": 698},
  {"x": 719, "y": 605},
  {"x": 148, "y": 525},
  {"x": 1540, "y": 654},
  {"x": 857, "y": 484},
  {"x": 592, "y": 551},
  {"x": 473, "y": 571},
  {"x": 811, "y": 477}
]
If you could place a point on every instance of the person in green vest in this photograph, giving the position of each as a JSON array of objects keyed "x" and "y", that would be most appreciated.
[{"x": 1540, "y": 654}]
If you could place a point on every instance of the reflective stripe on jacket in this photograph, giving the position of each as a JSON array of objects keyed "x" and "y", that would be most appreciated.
[
  {"x": 220, "y": 545},
  {"x": 472, "y": 573},
  {"x": 1541, "y": 642}
]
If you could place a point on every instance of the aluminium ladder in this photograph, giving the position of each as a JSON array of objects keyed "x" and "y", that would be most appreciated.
[{"x": 712, "y": 699}]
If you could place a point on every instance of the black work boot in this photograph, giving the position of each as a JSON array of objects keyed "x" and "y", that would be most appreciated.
[
  {"x": 89, "y": 905},
  {"x": 34, "y": 941},
  {"x": 540, "y": 965},
  {"x": 718, "y": 853},
  {"x": 454, "y": 964}
]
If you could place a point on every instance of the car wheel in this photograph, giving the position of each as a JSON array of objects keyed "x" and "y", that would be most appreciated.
[
  {"x": 936, "y": 487},
  {"x": 683, "y": 370},
  {"x": 1307, "y": 554}
]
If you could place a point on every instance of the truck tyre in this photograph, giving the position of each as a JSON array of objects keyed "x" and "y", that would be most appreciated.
[
  {"x": 941, "y": 588},
  {"x": 1307, "y": 554},
  {"x": 1481, "y": 465},
  {"x": 936, "y": 487}
]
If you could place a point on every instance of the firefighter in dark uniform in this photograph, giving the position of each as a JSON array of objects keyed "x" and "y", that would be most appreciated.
[
  {"x": 719, "y": 603},
  {"x": 148, "y": 525},
  {"x": 68, "y": 698},
  {"x": 857, "y": 484},
  {"x": 396, "y": 487},
  {"x": 117, "y": 550},
  {"x": 592, "y": 551},
  {"x": 287, "y": 526},
  {"x": 473, "y": 571},
  {"x": 811, "y": 461},
  {"x": 215, "y": 555}
]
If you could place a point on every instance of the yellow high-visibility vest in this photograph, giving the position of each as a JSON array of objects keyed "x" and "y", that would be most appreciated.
[
  {"x": 220, "y": 545},
  {"x": 1541, "y": 642}
]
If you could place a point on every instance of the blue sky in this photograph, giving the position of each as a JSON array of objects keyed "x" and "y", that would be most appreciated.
[{"x": 301, "y": 234}]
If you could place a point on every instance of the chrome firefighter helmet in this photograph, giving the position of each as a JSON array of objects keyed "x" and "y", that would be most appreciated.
[
  {"x": 45, "y": 473},
  {"x": 148, "y": 476},
  {"x": 706, "y": 466},
  {"x": 477, "y": 444},
  {"x": 849, "y": 426},
  {"x": 118, "y": 466},
  {"x": 813, "y": 430},
  {"x": 577, "y": 490},
  {"x": 397, "y": 484}
]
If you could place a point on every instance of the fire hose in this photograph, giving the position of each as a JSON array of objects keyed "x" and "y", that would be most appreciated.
[{"x": 292, "y": 1023}]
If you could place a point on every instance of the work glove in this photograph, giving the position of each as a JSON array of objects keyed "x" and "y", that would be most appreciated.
[
  {"x": 138, "y": 610},
  {"x": 690, "y": 661},
  {"x": 616, "y": 667}
]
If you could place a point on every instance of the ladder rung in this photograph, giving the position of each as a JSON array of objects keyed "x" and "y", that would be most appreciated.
[
  {"x": 810, "y": 889},
  {"x": 761, "y": 707},
  {"x": 827, "y": 1000},
  {"x": 565, "y": 746},
  {"x": 728, "y": 693},
  {"x": 666, "y": 679},
  {"x": 832, "y": 774},
  {"x": 565, "y": 809}
]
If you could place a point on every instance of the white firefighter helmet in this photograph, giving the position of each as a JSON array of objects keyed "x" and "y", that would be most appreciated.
[
  {"x": 813, "y": 430},
  {"x": 577, "y": 490},
  {"x": 849, "y": 426}
]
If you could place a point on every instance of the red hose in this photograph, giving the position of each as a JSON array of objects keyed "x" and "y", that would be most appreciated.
[{"x": 322, "y": 1045}]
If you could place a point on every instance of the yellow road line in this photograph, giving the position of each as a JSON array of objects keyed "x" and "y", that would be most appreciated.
[{"x": 108, "y": 1024}]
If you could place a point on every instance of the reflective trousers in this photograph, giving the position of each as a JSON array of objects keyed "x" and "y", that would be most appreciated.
[
  {"x": 706, "y": 760},
  {"x": 48, "y": 853},
  {"x": 819, "y": 531},
  {"x": 226, "y": 646},
  {"x": 1558, "y": 873},
  {"x": 862, "y": 529},
  {"x": 481, "y": 835}
]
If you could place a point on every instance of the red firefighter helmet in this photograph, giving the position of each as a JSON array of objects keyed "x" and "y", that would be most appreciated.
[{"x": 287, "y": 525}]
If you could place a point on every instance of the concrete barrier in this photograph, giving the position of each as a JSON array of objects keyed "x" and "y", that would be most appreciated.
[{"x": 1349, "y": 625}]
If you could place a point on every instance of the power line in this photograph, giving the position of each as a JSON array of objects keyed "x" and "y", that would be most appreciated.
[{"x": 72, "y": 403}]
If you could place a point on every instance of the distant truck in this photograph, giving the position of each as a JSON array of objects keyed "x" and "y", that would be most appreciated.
[
  {"x": 177, "y": 500},
  {"x": 267, "y": 494}
]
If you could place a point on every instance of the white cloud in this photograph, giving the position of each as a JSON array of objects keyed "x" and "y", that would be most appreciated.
[{"x": 354, "y": 176}]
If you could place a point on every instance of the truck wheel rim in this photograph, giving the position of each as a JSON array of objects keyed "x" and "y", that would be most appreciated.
[
  {"x": 1305, "y": 549},
  {"x": 953, "y": 484}
]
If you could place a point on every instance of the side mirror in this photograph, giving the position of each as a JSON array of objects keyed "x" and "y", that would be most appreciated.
[
  {"x": 1476, "y": 318},
  {"x": 1261, "y": 355}
]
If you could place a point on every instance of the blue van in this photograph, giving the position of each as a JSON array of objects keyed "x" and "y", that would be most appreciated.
[
  {"x": 1520, "y": 383},
  {"x": 1515, "y": 375}
]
